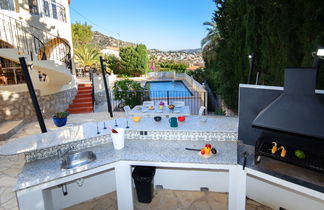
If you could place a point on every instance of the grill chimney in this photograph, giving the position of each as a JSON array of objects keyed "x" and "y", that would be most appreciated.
[{"x": 297, "y": 110}]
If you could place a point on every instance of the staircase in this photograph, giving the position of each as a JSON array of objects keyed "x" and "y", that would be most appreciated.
[
  {"x": 50, "y": 54},
  {"x": 82, "y": 102}
]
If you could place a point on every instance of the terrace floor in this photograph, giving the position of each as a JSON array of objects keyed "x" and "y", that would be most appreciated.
[{"x": 169, "y": 199}]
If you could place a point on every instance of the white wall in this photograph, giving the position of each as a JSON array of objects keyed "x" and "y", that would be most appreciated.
[
  {"x": 193, "y": 180},
  {"x": 93, "y": 186},
  {"x": 41, "y": 86},
  {"x": 275, "y": 196},
  {"x": 262, "y": 191},
  {"x": 99, "y": 83}
]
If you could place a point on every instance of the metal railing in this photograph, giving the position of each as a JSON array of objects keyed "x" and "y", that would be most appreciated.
[
  {"x": 92, "y": 90},
  {"x": 47, "y": 8},
  {"x": 193, "y": 99},
  {"x": 11, "y": 76},
  {"x": 33, "y": 41}
]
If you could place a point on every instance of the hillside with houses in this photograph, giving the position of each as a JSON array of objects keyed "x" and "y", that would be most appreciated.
[{"x": 110, "y": 45}]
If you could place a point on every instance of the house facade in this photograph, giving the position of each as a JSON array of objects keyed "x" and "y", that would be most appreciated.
[{"x": 40, "y": 31}]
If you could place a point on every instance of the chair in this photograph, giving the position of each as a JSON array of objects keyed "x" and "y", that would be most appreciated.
[
  {"x": 127, "y": 109},
  {"x": 148, "y": 103},
  {"x": 201, "y": 110},
  {"x": 178, "y": 103}
]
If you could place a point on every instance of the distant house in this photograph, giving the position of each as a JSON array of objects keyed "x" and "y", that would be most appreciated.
[
  {"x": 111, "y": 51},
  {"x": 194, "y": 67}
]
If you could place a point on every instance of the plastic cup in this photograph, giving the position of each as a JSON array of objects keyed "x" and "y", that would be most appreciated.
[{"x": 118, "y": 138}]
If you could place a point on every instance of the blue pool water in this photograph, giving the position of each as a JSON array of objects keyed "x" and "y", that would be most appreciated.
[{"x": 163, "y": 89}]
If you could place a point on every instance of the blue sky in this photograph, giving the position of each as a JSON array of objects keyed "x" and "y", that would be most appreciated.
[{"x": 160, "y": 24}]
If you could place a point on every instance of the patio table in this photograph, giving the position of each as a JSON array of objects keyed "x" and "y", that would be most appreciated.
[{"x": 143, "y": 111}]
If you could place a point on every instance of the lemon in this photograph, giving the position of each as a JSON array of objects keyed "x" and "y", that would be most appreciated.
[{"x": 300, "y": 154}]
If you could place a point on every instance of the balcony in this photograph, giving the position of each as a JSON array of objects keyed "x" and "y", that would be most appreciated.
[{"x": 47, "y": 8}]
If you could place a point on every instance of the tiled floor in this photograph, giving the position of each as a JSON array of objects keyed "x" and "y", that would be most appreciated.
[{"x": 170, "y": 200}]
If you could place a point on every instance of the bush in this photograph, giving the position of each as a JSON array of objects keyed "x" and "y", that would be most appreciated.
[
  {"x": 170, "y": 66},
  {"x": 128, "y": 92},
  {"x": 198, "y": 75}
]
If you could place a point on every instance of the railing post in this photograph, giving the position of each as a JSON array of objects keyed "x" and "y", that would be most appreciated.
[
  {"x": 205, "y": 102},
  {"x": 32, "y": 94},
  {"x": 106, "y": 87},
  {"x": 92, "y": 90},
  {"x": 168, "y": 99}
]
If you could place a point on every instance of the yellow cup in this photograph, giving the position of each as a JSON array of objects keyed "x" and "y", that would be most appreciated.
[{"x": 136, "y": 119}]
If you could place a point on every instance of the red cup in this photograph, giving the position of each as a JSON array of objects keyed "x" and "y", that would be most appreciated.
[{"x": 181, "y": 118}]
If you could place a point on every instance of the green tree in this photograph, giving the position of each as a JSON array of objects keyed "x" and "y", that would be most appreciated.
[
  {"x": 114, "y": 63},
  {"x": 81, "y": 34},
  {"x": 129, "y": 60},
  {"x": 134, "y": 60},
  {"x": 212, "y": 36},
  {"x": 87, "y": 56},
  {"x": 280, "y": 33},
  {"x": 143, "y": 60}
]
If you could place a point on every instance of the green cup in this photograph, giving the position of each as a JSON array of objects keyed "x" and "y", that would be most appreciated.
[{"x": 173, "y": 122}]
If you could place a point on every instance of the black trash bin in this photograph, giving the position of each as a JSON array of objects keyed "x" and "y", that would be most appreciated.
[{"x": 143, "y": 177}]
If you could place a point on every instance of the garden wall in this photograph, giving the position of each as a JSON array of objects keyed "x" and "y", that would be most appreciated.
[{"x": 18, "y": 105}]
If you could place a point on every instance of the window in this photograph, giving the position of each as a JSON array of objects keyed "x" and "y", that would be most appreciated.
[
  {"x": 7, "y": 5},
  {"x": 54, "y": 10},
  {"x": 33, "y": 7},
  {"x": 46, "y": 8}
]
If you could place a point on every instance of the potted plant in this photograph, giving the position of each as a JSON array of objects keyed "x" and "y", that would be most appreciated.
[
  {"x": 60, "y": 118},
  {"x": 161, "y": 105}
]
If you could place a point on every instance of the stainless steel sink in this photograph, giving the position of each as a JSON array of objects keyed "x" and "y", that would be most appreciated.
[{"x": 77, "y": 159}]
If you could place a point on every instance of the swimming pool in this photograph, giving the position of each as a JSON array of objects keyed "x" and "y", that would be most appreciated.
[{"x": 163, "y": 89}]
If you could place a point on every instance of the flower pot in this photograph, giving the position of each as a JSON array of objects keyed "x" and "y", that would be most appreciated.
[{"x": 59, "y": 122}]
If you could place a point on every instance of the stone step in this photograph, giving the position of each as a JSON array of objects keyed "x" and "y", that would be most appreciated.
[
  {"x": 85, "y": 91},
  {"x": 84, "y": 88},
  {"x": 82, "y": 95},
  {"x": 80, "y": 110},
  {"x": 85, "y": 85},
  {"x": 81, "y": 104},
  {"x": 10, "y": 128}
]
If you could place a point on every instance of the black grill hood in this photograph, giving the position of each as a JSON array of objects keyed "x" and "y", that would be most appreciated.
[{"x": 298, "y": 109}]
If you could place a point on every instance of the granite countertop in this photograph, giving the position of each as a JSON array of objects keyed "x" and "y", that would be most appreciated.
[
  {"x": 42, "y": 171},
  {"x": 72, "y": 133},
  {"x": 289, "y": 172}
]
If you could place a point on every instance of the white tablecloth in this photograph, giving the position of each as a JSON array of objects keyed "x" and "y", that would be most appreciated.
[{"x": 145, "y": 112}]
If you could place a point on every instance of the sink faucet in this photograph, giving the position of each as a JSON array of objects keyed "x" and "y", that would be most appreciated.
[{"x": 60, "y": 153}]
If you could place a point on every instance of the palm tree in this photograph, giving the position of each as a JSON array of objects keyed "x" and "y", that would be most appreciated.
[
  {"x": 86, "y": 56},
  {"x": 212, "y": 36}
]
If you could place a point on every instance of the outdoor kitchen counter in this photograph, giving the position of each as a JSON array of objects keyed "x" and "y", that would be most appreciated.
[
  {"x": 73, "y": 133},
  {"x": 42, "y": 171}
]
